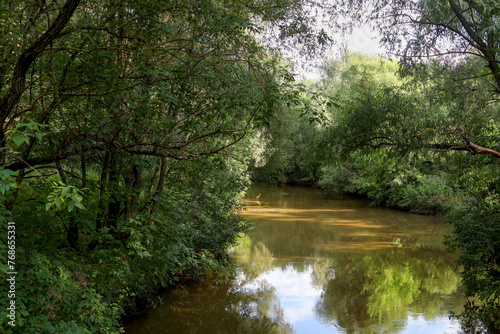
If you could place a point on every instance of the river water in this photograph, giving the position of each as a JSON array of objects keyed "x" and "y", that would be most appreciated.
[{"x": 321, "y": 264}]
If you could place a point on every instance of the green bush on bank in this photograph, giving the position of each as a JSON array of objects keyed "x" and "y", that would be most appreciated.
[
  {"x": 90, "y": 289},
  {"x": 412, "y": 191},
  {"x": 477, "y": 236},
  {"x": 430, "y": 195},
  {"x": 338, "y": 179}
]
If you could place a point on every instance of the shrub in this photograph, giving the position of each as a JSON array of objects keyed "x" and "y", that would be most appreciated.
[
  {"x": 430, "y": 195},
  {"x": 338, "y": 179},
  {"x": 377, "y": 186},
  {"x": 477, "y": 236}
]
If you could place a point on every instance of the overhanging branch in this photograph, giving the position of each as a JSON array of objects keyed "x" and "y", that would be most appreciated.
[{"x": 474, "y": 148}]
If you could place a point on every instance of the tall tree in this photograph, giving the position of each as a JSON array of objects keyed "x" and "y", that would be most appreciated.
[{"x": 445, "y": 30}]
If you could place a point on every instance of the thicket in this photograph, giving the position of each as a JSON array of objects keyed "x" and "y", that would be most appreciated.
[
  {"x": 124, "y": 137},
  {"x": 87, "y": 290}
]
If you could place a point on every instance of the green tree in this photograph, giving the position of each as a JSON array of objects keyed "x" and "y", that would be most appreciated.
[
  {"x": 288, "y": 148},
  {"x": 476, "y": 235},
  {"x": 446, "y": 30},
  {"x": 122, "y": 145}
]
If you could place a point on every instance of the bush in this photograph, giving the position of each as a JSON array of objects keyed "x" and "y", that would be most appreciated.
[
  {"x": 477, "y": 235},
  {"x": 430, "y": 195},
  {"x": 56, "y": 295},
  {"x": 408, "y": 190},
  {"x": 338, "y": 179},
  {"x": 378, "y": 186}
]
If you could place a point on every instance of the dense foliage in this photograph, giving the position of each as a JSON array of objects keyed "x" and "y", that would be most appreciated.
[
  {"x": 123, "y": 150},
  {"x": 126, "y": 129},
  {"x": 477, "y": 234}
]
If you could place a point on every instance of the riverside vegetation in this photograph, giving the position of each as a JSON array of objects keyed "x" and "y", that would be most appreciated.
[{"x": 127, "y": 129}]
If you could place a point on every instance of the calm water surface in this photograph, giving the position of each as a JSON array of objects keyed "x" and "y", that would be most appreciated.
[{"x": 317, "y": 264}]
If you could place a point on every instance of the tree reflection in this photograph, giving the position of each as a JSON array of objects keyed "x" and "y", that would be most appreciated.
[
  {"x": 344, "y": 299},
  {"x": 323, "y": 271},
  {"x": 391, "y": 291},
  {"x": 216, "y": 310},
  {"x": 379, "y": 291},
  {"x": 258, "y": 308},
  {"x": 260, "y": 311},
  {"x": 374, "y": 292},
  {"x": 252, "y": 257}
]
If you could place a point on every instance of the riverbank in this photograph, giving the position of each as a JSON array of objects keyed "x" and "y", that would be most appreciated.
[{"x": 422, "y": 194}]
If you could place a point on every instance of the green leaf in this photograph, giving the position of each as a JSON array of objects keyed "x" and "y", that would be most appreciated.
[
  {"x": 3, "y": 188},
  {"x": 20, "y": 139}
]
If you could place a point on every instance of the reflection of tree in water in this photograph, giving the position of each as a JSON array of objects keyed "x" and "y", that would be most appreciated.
[
  {"x": 374, "y": 292},
  {"x": 368, "y": 283},
  {"x": 323, "y": 270},
  {"x": 260, "y": 311},
  {"x": 392, "y": 290},
  {"x": 233, "y": 308},
  {"x": 252, "y": 257},
  {"x": 230, "y": 311},
  {"x": 344, "y": 298}
]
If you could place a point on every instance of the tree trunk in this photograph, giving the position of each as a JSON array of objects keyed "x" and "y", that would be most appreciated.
[
  {"x": 161, "y": 185},
  {"x": 12, "y": 96}
]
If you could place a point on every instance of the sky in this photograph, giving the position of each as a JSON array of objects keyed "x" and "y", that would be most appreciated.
[{"x": 362, "y": 39}]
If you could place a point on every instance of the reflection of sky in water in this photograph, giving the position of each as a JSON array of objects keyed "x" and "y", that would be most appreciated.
[
  {"x": 298, "y": 295},
  {"x": 440, "y": 325},
  {"x": 294, "y": 290}
]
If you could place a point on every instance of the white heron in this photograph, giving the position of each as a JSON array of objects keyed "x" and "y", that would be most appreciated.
[{"x": 257, "y": 198}]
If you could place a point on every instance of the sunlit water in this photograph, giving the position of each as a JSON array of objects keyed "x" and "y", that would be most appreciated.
[{"x": 319, "y": 264}]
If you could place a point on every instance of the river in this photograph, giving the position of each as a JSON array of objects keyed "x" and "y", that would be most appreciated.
[{"x": 315, "y": 263}]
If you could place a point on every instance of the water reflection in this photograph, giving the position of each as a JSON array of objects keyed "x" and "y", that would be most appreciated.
[{"x": 316, "y": 264}]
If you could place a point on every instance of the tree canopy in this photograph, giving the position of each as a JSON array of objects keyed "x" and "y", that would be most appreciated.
[{"x": 123, "y": 144}]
